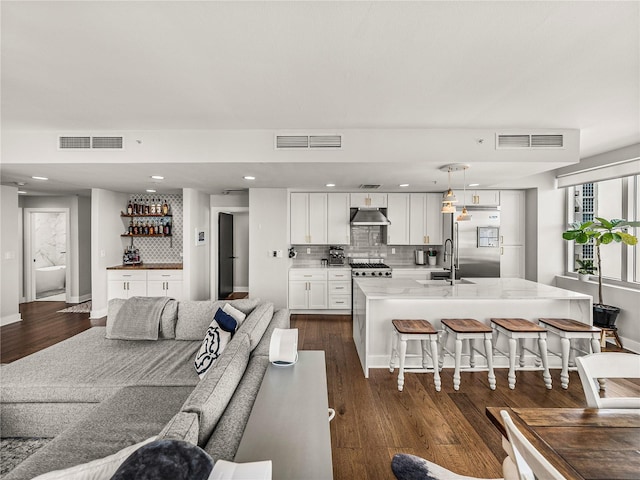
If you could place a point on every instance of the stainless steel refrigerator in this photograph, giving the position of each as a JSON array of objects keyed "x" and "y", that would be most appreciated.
[{"x": 476, "y": 242}]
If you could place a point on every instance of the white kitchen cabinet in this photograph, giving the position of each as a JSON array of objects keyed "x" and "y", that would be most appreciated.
[
  {"x": 338, "y": 218},
  {"x": 485, "y": 198},
  {"x": 339, "y": 288},
  {"x": 512, "y": 233},
  {"x": 418, "y": 273},
  {"x": 425, "y": 219},
  {"x": 512, "y": 261},
  {"x": 164, "y": 283},
  {"x": 307, "y": 289},
  {"x": 378, "y": 200},
  {"x": 398, "y": 214},
  {"x": 126, "y": 284},
  {"x": 308, "y": 218}
]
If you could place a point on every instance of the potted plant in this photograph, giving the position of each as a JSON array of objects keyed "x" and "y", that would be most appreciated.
[
  {"x": 585, "y": 269},
  {"x": 602, "y": 232}
]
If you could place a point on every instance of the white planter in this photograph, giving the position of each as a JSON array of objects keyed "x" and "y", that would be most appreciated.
[
  {"x": 584, "y": 277},
  {"x": 431, "y": 260}
]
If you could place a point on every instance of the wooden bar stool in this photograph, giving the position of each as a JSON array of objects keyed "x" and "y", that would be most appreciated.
[
  {"x": 519, "y": 329},
  {"x": 607, "y": 332},
  {"x": 471, "y": 330},
  {"x": 405, "y": 330},
  {"x": 568, "y": 329}
]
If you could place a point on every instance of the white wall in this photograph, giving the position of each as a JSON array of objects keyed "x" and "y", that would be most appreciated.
[
  {"x": 106, "y": 244},
  {"x": 196, "y": 258},
  {"x": 9, "y": 249},
  {"x": 268, "y": 230},
  {"x": 79, "y": 255}
]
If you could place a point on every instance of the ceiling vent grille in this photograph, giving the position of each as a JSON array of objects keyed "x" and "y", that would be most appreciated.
[
  {"x": 87, "y": 143},
  {"x": 106, "y": 142},
  {"x": 529, "y": 141},
  {"x": 308, "y": 141},
  {"x": 74, "y": 142},
  {"x": 366, "y": 186}
]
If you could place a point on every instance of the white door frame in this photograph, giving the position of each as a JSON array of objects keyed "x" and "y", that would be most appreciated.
[
  {"x": 213, "y": 254},
  {"x": 30, "y": 278}
]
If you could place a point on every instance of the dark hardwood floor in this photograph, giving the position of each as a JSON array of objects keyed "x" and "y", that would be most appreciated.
[{"x": 373, "y": 420}]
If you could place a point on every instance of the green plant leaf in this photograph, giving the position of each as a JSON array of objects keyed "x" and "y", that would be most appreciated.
[
  {"x": 606, "y": 238},
  {"x": 605, "y": 223},
  {"x": 570, "y": 235},
  {"x": 582, "y": 237},
  {"x": 584, "y": 225},
  {"x": 627, "y": 238}
]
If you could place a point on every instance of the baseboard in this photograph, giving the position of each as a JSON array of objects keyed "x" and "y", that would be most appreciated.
[
  {"x": 80, "y": 299},
  {"x": 98, "y": 313},
  {"x": 240, "y": 289},
  {"x": 8, "y": 319},
  {"x": 627, "y": 343}
]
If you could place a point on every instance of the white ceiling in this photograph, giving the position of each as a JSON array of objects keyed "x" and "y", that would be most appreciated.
[{"x": 204, "y": 65}]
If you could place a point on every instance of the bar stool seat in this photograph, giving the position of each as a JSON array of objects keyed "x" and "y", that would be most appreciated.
[
  {"x": 568, "y": 329},
  {"x": 518, "y": 330},
  {"x": 405, "y": 330},
  {"x": 468, "y": 329}
]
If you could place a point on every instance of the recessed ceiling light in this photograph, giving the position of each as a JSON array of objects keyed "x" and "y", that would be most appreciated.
[
  {"x": 157, "y": 177},
  {"x": 151, "y": 190},
  {"x": 403, "y": 185},
  {"x": 249, "y": 177},
  {"x": 474, "y": 184},
  {"x": 21, "y": 191},
  {"x": 39, "y": 178},
  {"x": 330, "y": 185}
]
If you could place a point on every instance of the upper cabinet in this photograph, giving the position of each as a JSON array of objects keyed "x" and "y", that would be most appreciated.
[
  {"x": 425, "y": 225},
  {"x": 398, "y": 214},
  {"x": 487, "y": 198},
  {"x": 512, "y": 217},
  {"x": 308, "y": 218},
  {"x": 378, "y": 200},
  {"x": 338, "y": 218}
]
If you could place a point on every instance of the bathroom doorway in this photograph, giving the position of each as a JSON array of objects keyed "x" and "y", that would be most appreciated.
[{"x": 46, "y": 254}]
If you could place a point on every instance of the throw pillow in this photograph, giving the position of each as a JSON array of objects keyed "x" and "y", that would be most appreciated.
[
  {"x": 100, "y": 468},
  {"x": 212, "y": 346},
  {"x": 226, "y": 321},
  {"x": 235, "y": 313},
  {"x": 166, "y": 460}
]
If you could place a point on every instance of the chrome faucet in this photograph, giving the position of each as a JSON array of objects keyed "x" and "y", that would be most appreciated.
[{"x": 452, "y": 280}]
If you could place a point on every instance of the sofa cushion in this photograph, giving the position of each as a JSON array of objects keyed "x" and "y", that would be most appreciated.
[
  {"x": 225, "y": 439},
  {"x": 257, "y": 322},
  {"x": 211, "y": 396},
  {"x": 194, "y": 316},
  {"x": 226, "y": 321},
  {"x": 234, "y": 312},
  {"x": 167, "y": 320},
  {"x": 129, "y": 416},
  {"x": 214, "y": 343},
  {"x": 183, "y": 426}
]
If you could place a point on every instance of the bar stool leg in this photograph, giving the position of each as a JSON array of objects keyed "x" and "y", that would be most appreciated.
[
  {"x": 522, "y": 351},
  {"x": 488, "y": 348},
  {"x": 512, "y": 363},
  {"x": 445, "y": 336},
  {"x": 456, "y": 371},
  {"x": 403, "y": 353},
  {"x": 434, "y": 360},
  {"x": 564, "y": 373},
  {"x": 595, "y": 344},
  {"x": 542, "y": 344},
  {"x": 394, "y": 350},
  {"x": 425, "y": 353},
  {"x": 472, "y": 357}
]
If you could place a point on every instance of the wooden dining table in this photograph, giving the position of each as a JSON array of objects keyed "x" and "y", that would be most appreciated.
[{"x": 582, "y": 443}]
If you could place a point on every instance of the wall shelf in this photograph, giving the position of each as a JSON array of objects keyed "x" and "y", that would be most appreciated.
[
  {"x": 144, "y": 235},
  {"x": 137, "y": 215}
]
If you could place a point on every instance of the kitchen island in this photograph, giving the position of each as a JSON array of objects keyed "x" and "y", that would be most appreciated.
[{"x": 378, "y": 301}]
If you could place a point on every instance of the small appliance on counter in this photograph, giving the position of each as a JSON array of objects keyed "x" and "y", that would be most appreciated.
[
  {"x": 336, "y": 255},
  {"x": 131, "y": 256},
  {"x": 420, "y": 257}
]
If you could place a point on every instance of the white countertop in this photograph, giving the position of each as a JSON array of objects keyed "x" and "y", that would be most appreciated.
[{"x": 480, "y": 288}]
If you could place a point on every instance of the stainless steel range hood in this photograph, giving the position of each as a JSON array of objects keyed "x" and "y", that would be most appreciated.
[{"x": 369, "y": 216}]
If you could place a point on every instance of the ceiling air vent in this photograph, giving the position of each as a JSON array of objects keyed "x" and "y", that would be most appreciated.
[
  {"x": 308, "y": 141},
  {"x": 74, "y": 142},
  {"x": 106, "y": 142},
  {"x": 365, "y": 186},
  {"x": 529, "y": 141},
  {"x": 86, "y": 143}
]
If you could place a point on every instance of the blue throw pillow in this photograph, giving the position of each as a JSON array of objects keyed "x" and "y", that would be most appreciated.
[{"x": 226, "y": 321}]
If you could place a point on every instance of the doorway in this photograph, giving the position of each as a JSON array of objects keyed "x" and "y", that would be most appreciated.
[
  {"x": 46, "y": 254},
  {"x": 240, "y": 252},
  {"x": 225, "y": 255}
]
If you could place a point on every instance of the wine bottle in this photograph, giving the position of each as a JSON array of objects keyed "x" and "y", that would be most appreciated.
[
  {"x": 165, "y": 207},
  {"x": 135, "y": 228},
  {"x": 158, "y": 206},
  {"x": 146, "y": 208},
  {"x": 152, "y": 230},
  {"x": 152, "y": 209},
  {"x": 131, "y": 226},
  {"x": 129, "y": 208}
]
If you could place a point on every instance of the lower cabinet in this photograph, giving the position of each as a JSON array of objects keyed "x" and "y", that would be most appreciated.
[
  {"x": 512, "y": 261},
  {"x": 319, "y": 289},
  {"x": 144, "y": 283}
]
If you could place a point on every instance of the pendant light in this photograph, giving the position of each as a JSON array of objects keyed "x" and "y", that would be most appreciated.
[
  {"x": 464, "y": 216},
  {"x": 449, "y": 196}
]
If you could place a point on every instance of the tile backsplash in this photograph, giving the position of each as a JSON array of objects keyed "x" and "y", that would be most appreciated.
[{"x": 404, "y": 254}]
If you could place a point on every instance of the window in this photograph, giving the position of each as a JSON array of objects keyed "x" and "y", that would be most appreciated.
[{"x": 615, "y": 198}]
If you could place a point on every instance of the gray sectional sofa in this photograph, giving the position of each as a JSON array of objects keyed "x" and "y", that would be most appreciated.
[{"x": 96, "y": 395}]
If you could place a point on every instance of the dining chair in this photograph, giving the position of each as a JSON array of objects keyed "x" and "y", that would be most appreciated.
[
  {"x": 529, "y": 462},
  {"x": 607, "y": 365},
  {"x": 409, "y": 467}
]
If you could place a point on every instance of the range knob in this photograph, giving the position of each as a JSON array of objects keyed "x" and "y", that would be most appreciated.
[
  {"x": 388, "y": 274},
  {"x": 379, "y": 274},
  {"x": 357, "y": 274}
]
